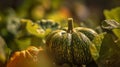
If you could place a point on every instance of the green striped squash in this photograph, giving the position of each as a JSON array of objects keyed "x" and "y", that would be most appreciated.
[{"x": 72, "y": 45}]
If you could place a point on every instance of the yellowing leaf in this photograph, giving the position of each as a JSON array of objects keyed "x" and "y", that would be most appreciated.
[
  {"x": 35, "y": 29},
  {"x": 117, "y": 32},
  {"x": 98, "y": 40},
  {"x": 113, "y": 14}
]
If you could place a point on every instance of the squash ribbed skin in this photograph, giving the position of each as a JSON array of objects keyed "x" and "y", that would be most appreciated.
[
  {"x": 56, "y": 47},
  {"x": 80, "y": 48},
  {"x": 66, "y": 50},
  {"x": 71, "y": 46},
  {"x": 87, "y": 31}
]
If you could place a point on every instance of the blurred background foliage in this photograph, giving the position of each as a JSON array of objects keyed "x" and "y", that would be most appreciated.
[{"x": 25, "y": 22}]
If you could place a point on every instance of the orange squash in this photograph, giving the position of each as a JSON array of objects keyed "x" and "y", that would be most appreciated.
[{"x": 31, "y": 57}]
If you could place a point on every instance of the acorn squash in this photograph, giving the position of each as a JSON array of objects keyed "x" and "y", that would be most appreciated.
[{"x": 72, "y": 45}]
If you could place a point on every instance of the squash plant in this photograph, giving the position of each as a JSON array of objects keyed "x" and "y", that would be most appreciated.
[
  {"x": 109, "y": 52},
  {"x": 39, "y": 30},
  {"x": 72, "y": 45},
  {"x": 110, "y": 46},
  {"x": 4, "y": 52}
]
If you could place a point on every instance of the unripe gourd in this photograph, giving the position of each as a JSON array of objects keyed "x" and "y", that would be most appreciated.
[{"x": 72, "y": 45}]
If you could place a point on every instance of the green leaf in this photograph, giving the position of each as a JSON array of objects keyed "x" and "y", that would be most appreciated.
[
  {"x": 109, "y": 52},
  {"x": 36, "y": 41},
  {"x": 98, "y": 40},
  {"x": 113, "y": 14},
  {"x": 35, "y": 29},
  {"x": 4, "y": 51},
  {"x": 23, "y": 43},
  {"x": 117, "y": 32}
]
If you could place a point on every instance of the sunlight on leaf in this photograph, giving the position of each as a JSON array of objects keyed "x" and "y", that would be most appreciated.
[
  {"x": 98, "y": 40},
  {"x": 117, "y": 32},
  {"x": 35, "y": 29},
  {"x": 113, "y": 14},
  {"x": 4, "y": 50}
]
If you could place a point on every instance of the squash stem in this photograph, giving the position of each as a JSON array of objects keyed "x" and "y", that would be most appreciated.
[{"x": 70, "y": 25}]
